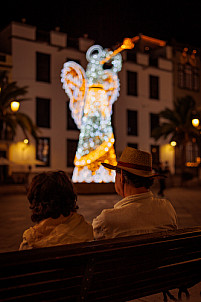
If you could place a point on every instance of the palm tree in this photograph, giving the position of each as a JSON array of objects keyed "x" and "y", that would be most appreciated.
[
  {"x": 8, "y": 119},
  {"x": 177, "y": 125}
]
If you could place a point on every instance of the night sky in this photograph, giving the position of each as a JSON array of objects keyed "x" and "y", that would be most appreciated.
[{"x": 108, "y": 22}]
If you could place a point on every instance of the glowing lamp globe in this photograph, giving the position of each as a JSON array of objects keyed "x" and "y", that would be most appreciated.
[
  {"x": 15, "y": 106},
  {"x": 173, "y": 143},
  {"x": 26, "y": 141},
  {"x": 195, "y": 122}
]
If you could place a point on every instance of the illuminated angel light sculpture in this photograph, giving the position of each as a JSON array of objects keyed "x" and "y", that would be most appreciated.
[{"x": 91, "y": 97}]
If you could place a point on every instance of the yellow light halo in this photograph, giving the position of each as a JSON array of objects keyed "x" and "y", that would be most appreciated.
[
  {"x": 99, "y": 94},
  {"x": 173, "y": 143},
  {"x": 127, "y": 44},
  {"x": 195, "y": 122},
  {"x": 14, "y": 106},
  {"x": 94, "y": 166},
  {"x": 95, "y": 154}
]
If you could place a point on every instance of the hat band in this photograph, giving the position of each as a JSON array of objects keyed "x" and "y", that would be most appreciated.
[{"x": 134, "y": 166}]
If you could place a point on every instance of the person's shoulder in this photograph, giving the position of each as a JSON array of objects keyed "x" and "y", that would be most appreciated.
[
  {"x": 79, "y": 218},
  {"x": 103, "y": 217},
  {"x": 164, "y": 203},
  {"x": 161, "y": 200}
]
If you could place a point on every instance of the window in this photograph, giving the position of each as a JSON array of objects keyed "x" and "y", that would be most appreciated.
[
  {"x": 43, "y": 112},
  {"x": 70, "y": 121},
  {"x": 132, "y": 122},
  {"x": 132, "y": 83},
  {"x": 188, "y": 77},
  {"x": 155, "y": 156},
  {"x": 43, "y": 150},
  {"x": 154, "y": 87},
  {"x": 71, "y": 150},
  {"x": 42, "y": 67},
  {"x": 154, "y": 122},
  {"x": 133, "y": 145},
  {"x": 196, "y": 79},
  {"x": 181, "y": 76},
  {"x": 192, "y": 152},
  {"x": 2, "y": 58}
]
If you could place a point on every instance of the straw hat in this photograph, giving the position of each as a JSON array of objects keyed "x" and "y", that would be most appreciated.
[{"x": 134, "y": 161}]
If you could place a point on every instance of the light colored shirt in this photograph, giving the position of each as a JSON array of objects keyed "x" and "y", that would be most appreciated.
[
  {"x": 136, "y": 214},
  {"x": 62, "y": 230}
]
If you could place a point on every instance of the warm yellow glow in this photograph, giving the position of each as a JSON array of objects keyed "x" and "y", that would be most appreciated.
[
  {"x": 189, "y": 164},
  {"x": 22, "y": 153},
  {"x": 195, "y": 122},
  {"x": 153, "y": 40},
  {"x": 167, "y": 154},
  {"x": 127, "y": 44},
  {"x": 97, "y": 102},
  {"x": 26, "y": 141},
  {"x": 98, "y": 153},
  {"x": 173, "y": 143},
  {"x": 15, "y": 106}
]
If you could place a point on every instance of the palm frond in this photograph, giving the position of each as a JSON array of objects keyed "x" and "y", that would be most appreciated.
[
  {"x": 163, "y": 131},
  {"x": 10, "y": 123},
  {"x": 169, "y": 115},
  {"x": 26, "y": 124},
  {"x": 178, "y": 121},
  {"x": 11, "y": 92}
]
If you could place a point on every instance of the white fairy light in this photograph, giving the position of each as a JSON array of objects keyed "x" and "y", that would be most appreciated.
[{"x": 91, "y": 97}]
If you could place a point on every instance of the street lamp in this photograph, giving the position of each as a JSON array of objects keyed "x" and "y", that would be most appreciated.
[
  {"x": 173, "y": 143},
  {"x": 195, "y": 122},
  {"x": 26, "y": 141},
  {"x": 15, "y": 106}
]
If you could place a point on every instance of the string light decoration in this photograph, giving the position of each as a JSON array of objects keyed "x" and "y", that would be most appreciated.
[{"x": 92, "y": 94}]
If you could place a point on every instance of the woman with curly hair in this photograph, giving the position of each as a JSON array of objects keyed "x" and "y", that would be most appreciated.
[{"x": 53, "y": 203}]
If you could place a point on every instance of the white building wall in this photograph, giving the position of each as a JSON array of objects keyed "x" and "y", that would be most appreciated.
[
  {"x": 24, "y": 48},
  {"x": 142, "y": 103},
  {"x": 24, "y": 72}
]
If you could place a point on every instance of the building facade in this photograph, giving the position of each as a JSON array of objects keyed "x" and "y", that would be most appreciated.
[
  {"x": 146, "y": 83},
  {"x": 186, "y": 82},
  {"x": 146, "y": 89}
]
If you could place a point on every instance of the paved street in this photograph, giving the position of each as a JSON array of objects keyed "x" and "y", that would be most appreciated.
[
  {"x": 15, "y": 218},
  {"x": 15, "y": 213}
]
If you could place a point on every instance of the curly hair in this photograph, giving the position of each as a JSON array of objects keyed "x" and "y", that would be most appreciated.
[
  {"x": 137, "y": 181},
  {"x": 51, "y": 194}
]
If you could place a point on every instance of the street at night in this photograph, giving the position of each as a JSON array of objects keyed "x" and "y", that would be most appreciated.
[
  {"x": 15, "y": 218},
  {"x": 95, "y": 93}
]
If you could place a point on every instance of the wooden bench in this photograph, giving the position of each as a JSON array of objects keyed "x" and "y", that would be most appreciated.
[{"x": 120, "y": 269}]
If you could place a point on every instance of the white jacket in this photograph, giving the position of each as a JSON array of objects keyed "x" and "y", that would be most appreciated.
[
  {"x": 134, "y": 215},
  {"x": 62, "y": 230}
]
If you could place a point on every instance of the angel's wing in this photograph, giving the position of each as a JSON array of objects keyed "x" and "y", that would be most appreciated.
[
  {"x": 74, "y": 83},
  {"x": 111, "y": 86}
]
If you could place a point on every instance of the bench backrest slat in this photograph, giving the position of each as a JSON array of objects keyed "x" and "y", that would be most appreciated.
[{"x": 109, "y": 270}]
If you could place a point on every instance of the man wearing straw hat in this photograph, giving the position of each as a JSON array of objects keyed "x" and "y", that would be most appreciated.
[{"x": 139, "y": 211}]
